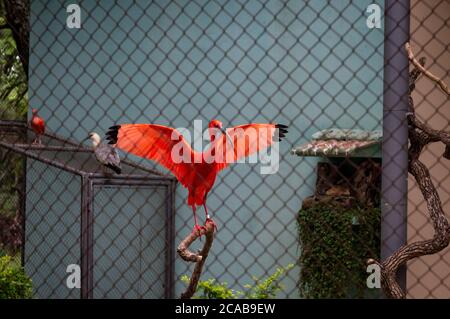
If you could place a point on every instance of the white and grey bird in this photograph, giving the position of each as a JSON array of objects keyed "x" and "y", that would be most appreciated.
[{"x": 106, "y": 155}]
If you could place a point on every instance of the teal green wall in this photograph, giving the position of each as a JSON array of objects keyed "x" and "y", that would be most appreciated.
[
  {"x": 52, "y": 229},
  {"x": 314, "y": 64},
  {"x": 127, "y": 237}
]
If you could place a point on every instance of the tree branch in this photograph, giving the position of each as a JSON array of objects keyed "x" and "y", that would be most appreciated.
[
  {"x": 198, "y": 258},
  {"x": 17, "y": 15},
  {"x": 420, "y": 135},
  {"x": 444, "y": 87}
]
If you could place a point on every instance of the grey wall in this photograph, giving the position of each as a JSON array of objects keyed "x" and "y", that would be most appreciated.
[{"x": 308, "y": 64}]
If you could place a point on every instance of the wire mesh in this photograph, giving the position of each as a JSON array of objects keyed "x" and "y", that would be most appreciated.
[
  {"x": 310, "y": 65},
  {"x": 429, "y": 276}
]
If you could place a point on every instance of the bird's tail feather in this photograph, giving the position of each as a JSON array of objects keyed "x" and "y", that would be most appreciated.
[{"x": 116, "y": 169}]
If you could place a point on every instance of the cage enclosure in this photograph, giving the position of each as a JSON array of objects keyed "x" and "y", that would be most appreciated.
[
  {"x": 118, "y": 228},
  {"x": 339, "y": 224}
]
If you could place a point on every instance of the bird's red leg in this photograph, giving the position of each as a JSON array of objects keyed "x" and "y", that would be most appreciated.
[
  {"x": 208, "y": 218},
  {"x": 206, "y": 212},
  {"x": 197, "y": 228}
]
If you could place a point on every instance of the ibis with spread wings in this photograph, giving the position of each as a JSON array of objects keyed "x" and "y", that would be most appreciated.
[{"x": 196, "y": 171}]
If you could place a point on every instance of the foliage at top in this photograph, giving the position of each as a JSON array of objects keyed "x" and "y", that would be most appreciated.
[
  {"x": 13, "y": 106},
  {"x": 260, "y": 289},
  {"x": 335, "y": 243},
  {"x": 13, "y": 80}
]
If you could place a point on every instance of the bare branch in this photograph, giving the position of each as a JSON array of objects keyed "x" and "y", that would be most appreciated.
[
  {"x": 198, "y": 258},
  {"x": 444, "y": 87},
  {"x": 440, "y": 240},
  {"x": 432, "y": 135},
  {"x": 420, "y": 135}
]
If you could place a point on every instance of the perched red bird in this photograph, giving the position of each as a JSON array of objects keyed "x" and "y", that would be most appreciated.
[
  {"x": 38, "y": 126},
  {"x": 194, "y": 170}
]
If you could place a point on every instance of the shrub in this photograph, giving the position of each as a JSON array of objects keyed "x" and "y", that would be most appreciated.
[
  {"x": 335, "y": 243},
  {"x": 14, "y": 284},
  {"x": 260, "y": 289}
]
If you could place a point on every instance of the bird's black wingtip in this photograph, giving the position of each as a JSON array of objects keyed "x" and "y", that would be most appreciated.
[
  {"x": 115, "y": 127},
  {"x": 282, "y": 131},
  {"x": 112, "y": 134}
]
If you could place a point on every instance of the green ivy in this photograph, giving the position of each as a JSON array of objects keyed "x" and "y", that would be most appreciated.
[
  {"x": 335, "y": 243},
  {"x": 14, "y": 284},
  {"x": 260, "y": 289}
]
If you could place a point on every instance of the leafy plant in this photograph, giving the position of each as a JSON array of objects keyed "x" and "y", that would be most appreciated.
[
  {"x": 269, "y": 287},
  {"x": 210, "y": 289},
  {"x": 14, "y": 284},
  {"x": 13, "y": 80},
  {"x": 13, "y": 106},
  {"x": 260, "y": 289},
  {"x": 335, "y": 243},
  {"x": 11, "y": 179}
]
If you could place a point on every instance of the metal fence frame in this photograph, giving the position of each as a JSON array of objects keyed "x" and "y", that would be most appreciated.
[{"x": 88, "y": 182}]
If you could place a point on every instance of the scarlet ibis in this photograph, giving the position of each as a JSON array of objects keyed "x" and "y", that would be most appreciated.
[
  {"x": 197, "y": 173},
  {"x": 38, "y": 126},
  {"x": 106, "y": 155}
]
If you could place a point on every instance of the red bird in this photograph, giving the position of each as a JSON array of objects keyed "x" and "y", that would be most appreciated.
[
  {"x": 38, "y": 126},
  {"x": 196, "y": 171}
]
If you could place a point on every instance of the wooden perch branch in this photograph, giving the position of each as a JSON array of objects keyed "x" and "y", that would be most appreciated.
[
  {"x": 444, "y": 87},
  {"x": 420, "y": 135},
  {"x": 198, "y": 258}
]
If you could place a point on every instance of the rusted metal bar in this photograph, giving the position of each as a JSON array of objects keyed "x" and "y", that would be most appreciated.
[
  {"x": 53, "y": 148},
  {"x": 171, "y": 232},
  {"x": 128, "y": 177},
  {"x": 74, "y": 147},
  {"x": 15, "y": 123},
  {"x": 40, "y": 158},
  {"x": 86, "y": 290}
]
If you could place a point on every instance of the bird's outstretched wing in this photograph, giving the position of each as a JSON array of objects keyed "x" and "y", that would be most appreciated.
[
  {"x": 247, "y": 139},
  {"x": 159, "y": 143}
]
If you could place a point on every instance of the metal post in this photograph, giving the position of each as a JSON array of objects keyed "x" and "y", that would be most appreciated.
[
  {"x": 170, "y": 237},
  {"x": 395, "y": 131},
  {"x": 23, "y": 201},
  {"x": 86, "y": 238}
]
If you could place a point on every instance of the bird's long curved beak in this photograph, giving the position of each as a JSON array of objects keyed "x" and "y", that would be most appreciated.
[
  {"x": 86, "y": 138},
  {"x": 224, "y": 131}
]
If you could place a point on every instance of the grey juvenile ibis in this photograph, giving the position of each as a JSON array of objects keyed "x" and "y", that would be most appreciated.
[{"x": 106, "y": 155}]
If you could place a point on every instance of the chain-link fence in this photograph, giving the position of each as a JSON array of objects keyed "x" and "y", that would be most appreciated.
[
  {"x": 429, "y": 276},
  {"x": 322, "y": 199}
]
